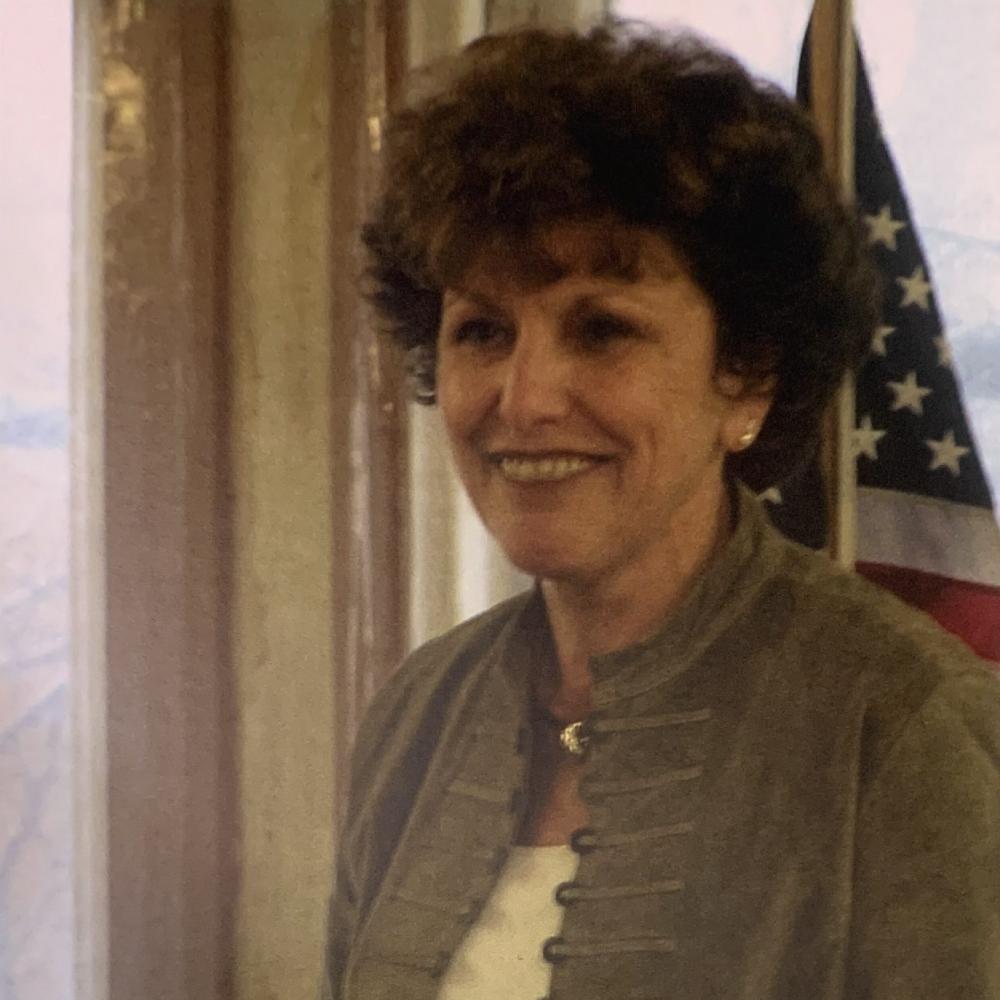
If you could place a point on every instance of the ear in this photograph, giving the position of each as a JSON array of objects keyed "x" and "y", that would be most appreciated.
[{"x": 748, "y": 401}]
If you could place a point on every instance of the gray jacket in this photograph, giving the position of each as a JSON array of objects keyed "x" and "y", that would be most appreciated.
[{"x": 793, "y": 790}]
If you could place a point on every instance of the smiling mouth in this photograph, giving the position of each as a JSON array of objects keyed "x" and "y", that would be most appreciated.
[{"x": 543, "y": 468}]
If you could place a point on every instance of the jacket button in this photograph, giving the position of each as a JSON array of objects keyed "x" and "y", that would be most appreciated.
[
  {"x": 582, "y": 840},
  {"x": 564, "y": 893},
  {"x": 550, "y": 950}
]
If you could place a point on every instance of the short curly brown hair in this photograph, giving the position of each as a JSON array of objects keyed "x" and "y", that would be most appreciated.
[{"x": 524, "y": 130}]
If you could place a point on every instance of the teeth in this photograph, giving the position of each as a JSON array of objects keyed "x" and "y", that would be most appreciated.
[{"x": 533, "y": 470}]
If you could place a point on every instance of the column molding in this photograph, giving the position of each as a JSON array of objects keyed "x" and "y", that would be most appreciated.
[
  {"x": 369, "y": 421},
  {"x": 154, "y": 723},
  {"x": 89, "y": 600}
]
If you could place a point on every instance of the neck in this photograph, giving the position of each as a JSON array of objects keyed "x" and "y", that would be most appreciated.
[{"x": 590, "y": 618}]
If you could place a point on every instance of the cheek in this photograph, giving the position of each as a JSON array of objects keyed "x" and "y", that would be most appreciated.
[
  {"x": 459, "y": 399},
  {"x": 449, "y": 394},
  {"x": 678, "y": 428}
]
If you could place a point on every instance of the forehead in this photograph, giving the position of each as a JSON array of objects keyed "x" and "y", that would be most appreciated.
[{"x": 612, "y": 252}]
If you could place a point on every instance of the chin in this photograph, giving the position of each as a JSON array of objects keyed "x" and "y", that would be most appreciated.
[
  {"x": 545, "y": 562},
  {"x": 546, "y": 547}
]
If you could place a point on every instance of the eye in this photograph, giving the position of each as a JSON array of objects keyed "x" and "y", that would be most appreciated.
[
  {"x": 601, "y": 329},
  {"x": 478, "y": 331}
]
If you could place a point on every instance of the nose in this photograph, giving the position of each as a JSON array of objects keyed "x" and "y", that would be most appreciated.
[{"x": 536, "y": 378}]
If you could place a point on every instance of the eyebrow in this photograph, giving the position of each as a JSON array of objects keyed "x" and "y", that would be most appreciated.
[{"x": 464, "y": 295}]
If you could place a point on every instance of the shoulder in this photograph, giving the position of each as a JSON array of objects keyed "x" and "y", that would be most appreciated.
[
  {"x": 861, "y": 642},
  {"x": 467, "y": 640},
  {"x": 430, "y": 665},
  {"x": 424, "y": 686},
  {"x": 854, "y": 616}
]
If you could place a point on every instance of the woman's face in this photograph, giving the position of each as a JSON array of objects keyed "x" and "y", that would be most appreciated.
[{"x": 586, "y": 417}]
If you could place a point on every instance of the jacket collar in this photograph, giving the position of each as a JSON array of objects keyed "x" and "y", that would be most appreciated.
[{"x": 722, "y": 591}]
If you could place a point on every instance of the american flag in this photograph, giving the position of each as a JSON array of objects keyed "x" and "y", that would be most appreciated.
[{"x": 926, "y": 526}]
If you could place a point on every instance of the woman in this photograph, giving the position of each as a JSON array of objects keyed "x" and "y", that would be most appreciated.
[{"x": 697, "y": 760}]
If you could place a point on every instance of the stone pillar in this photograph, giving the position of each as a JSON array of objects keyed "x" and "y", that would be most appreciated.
[
  {"x": 157, "y": 845},
  {"x": 283, "y": 488}
]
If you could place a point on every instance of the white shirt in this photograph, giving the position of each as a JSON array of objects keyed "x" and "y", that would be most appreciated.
[{"x": 501, "y": 956}]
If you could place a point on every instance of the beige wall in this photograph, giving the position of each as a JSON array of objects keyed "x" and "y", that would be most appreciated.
[{"x": 282, "y": 488}]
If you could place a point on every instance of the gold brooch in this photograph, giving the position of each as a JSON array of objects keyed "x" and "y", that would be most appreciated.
[{"x": 573, "y": 739}]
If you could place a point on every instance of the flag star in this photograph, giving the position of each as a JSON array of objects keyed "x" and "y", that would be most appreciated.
[
  {"x": 866, "y": 438},
  {"x": 916, "y": 289},
  {"x": 944, "y": 351},
  {"x": 878, "y": 340},
  {"x": 946, "y": 454},
  {"x": 882, "y": 228},
  {"x": 772, "y": 495},
  {"x": 909, "y": 395}
]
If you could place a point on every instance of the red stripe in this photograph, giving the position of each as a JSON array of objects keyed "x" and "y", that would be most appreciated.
[{"x": 969, "y": 610}]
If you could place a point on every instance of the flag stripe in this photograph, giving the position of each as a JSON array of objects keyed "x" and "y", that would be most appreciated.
[{"x": 930, "y": 535}]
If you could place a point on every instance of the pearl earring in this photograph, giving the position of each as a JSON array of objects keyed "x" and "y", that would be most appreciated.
[{"x": 747, "y": 437}]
